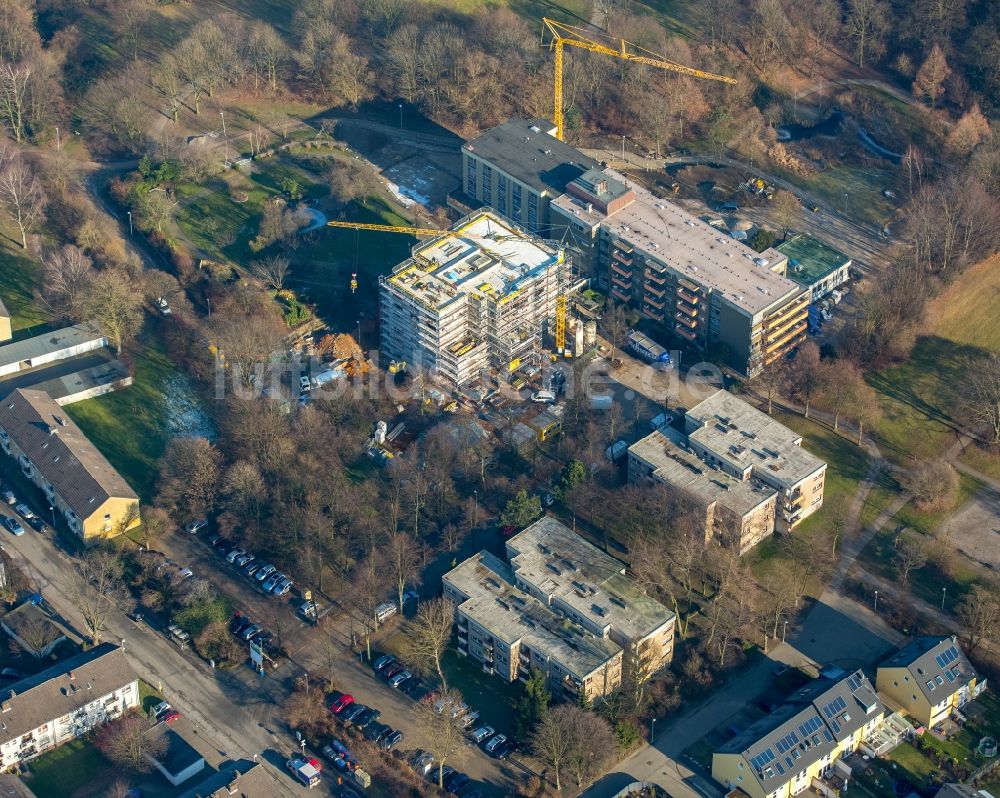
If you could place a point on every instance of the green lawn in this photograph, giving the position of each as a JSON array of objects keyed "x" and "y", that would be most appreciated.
[
  {"x": 149, "y": 696},
  {"x": 131, "y": 427},
  {"x": 917, "y": 767},
  {"x": 19, "y": 277},
  {"x": 865, "y": 202},
  {"x": 929, "y": 523},
  {"x": 75, "y": 769}
]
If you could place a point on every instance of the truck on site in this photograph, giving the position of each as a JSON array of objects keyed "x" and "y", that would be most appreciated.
[
  {"x": 646, "y": 348},
  {"x": 303, "y": 771}
]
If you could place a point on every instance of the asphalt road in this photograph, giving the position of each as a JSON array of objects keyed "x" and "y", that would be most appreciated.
[{"x": 226, "y": 711}]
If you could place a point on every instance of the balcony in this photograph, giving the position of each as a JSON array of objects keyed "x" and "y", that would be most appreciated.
[
  {"x": 621, "y": 270},
  {"x": 688, "y": 322},
  {"x": 659, "y": 278},
  {"x": 652, "y": 301},
  {"x": 653, "y": 313},
  {"x": 622, "y": 247},
  {"x": 684, "y": 332},
  {"x": 653, "y": 289},
  {"x": 618, "y": 294},
  {"x": 693, "y": 287},
  {"x": 687, "y": 296},
  {"x": 772, "y": 345}
]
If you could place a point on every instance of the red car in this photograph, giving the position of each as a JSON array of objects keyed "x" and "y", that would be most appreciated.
[
  {"x": 315, "y": 763},
  {"x": 170, "y": 716},
  {"x": 341, "y": 703}
]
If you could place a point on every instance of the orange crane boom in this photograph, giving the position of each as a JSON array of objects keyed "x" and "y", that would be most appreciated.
[{"x": 563, "y": 35}]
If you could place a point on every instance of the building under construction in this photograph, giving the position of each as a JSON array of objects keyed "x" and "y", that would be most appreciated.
[{"x": 479, "y": 297}]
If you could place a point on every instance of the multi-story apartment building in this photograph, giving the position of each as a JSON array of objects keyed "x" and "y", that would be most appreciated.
[
  {"x": 580, "y": 582},
  {"x": 781, "y": 754},
  {"x": 738, "y": 513},
  {"x": 76, "y": 478},
  {"x": 740, "y": 440},
  {"x": 929, "y": 678},
  {"x": 479, "y": 299},
  {"x": 518, "y": 168},
  {"x": 815, "y": 265},
  {"x": 509, "y": 632},
  {"x": 64, "y": 702}
]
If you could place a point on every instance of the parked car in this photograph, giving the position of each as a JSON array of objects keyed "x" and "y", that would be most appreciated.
[
  {"x": 410, "y": 686},
  {"x": 217, "y": 540},
  {"x": 469, "y": 719},
  {"x": 283, "y": 587},
  {"x": 410, "y": 595},
  {"x": 271, "y": 581},
  {"x": 14, "y": 526},
  {"x": 506, "y": 749},
  {"x": 494, "y": 743},
  {"x": 368, "y": 716},
  {"x": 185, "y": 573},
  {"x": 36, "y": 523},
  {"x": 24, "y": 511},
  {"x": 265, "y": 572},
  {"x": 169, "y": 716},
  {"x": 383, "y": 662},
  {"x": 251, "y": 568},
  {"x": 376, "y": 731},
  {"x": 248, "y": 631},
  {"x": 340, "y": 703},
  {"x": 482, "y": 733},
  {"x": 385, "y": 611},
  {"x": 352, "y": 712},
  {"x": 9, "y": 497},
  {"x": 392, "y": 739},
  {"x": 243, "y": 559},
  {"x": 456, "y": 782},
  {"x": 423, "y": 762},
  {"x": 160, "y": 709},
  {"x": 232, "y": 555},
  {"x": 392, "y": 669},
  {"x": 194, "y": 527},
  {"x": 238, "y": 624},
  {"x": 261, "y": 637}
]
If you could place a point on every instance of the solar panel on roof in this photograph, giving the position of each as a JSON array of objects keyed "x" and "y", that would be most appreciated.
[
  {"x": 788, "y": 759},
  {"x": 950, "y": 675},
  {"x": 810, "y": 725},
  {"x": 779, "y": 768},
  {"x": 835, "y": 726},
  {"x": 827, "y": 735},
  {"x": 854, "y": 682},
  {"x": 835, "y": 706}
]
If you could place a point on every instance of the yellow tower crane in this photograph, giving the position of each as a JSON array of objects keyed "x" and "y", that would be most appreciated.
[
  {"x": 563, "y": 35},
  {"x": 560, "y": 326}
]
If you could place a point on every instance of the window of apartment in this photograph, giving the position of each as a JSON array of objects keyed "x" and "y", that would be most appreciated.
[
  {"x": 487, "y": 185},
  {"x": 502, "y": 194},
  {"x": 470, "y": 180},
  {"x": 516, "y": 201},
  {"x": 533, "y": 211}
]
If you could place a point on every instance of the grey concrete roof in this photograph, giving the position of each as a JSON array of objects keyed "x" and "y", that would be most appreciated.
[
  {"x": 805, "y": 728},
  {"x": 48, "y": 343},
  {"x": 683, "y": 470},
  {"x": 37, "y": 699},
  {"x": 557, "y": 562},
  {"x": 693, "y": 249},
  {"x": 62, "y": 454},
  {"x": 179, "y": 754},
  {"x": 64, "y": 380},
  {"x": 960, "y": 791},
  {"x": 524, "y": 149},
  {"x": 938, "y": 666},
  {"x": 30, "y": 613},
  {"x": 511, "y": 615},
  {"x": 742, "y": 435},
  {"x": 12, "y": 787}
]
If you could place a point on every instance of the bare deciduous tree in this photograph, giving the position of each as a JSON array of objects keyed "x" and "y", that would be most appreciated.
[
  {"x": 430, "y": 633},
  {"x": 113, "y": 301},
  {"x": 911, "y": 555},
  {"x": 933, "y": 485},
  {"x": 126, "y": 742},
  {"x": 979, "y": 612},
  {"x": 929, "y": 83},
  {"x": 981, "y": 395},
  {"x": 189, "y": 476},
  {"x": 403, "y": 558},
  {"x": 867, "y": 23},
  {"x": 21, "y": 193},
  {"x": 444, "y": 734},
  {"x": 271, "y": 269},
  {"x": 99, "y": 590}
]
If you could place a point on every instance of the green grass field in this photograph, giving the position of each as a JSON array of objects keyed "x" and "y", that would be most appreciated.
[
  {"x": 131, "y": 427},
  {"x": 19, "y": 277},
  {"x": 75, "y": 769}
]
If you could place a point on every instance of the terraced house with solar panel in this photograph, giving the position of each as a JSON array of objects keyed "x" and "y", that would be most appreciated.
[
  {"x": 929, "y": 679},
  {"x": 802, "y": 740}
]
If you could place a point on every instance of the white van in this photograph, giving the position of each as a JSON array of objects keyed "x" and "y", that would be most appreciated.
[
  {"x": 385, "y": 611},
  {"x": 545, "y": 397}
]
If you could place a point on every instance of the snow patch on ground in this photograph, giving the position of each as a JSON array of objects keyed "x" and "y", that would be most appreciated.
[{"x": 184, "y": 415}]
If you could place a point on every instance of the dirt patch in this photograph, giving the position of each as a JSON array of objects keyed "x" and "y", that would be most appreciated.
[{"x": 975, "y": 529}]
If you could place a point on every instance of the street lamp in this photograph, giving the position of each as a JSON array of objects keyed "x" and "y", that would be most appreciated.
[
  {"x": 943, "y": 591},
  {"x": 129, "y": 222},
  {"x": 400, "y": 116},
  {"x": 783, "y": 628},
  {"x": 475, "y": 517},
  {"x": 359, "y": 334},
  {"x": 224, "y": 136},
  {"x": 52, "y": 510},
  {"x": 876, "y": 601},
  {"x": 652, "y": 730},
  {"x": 845, "y": 203}
]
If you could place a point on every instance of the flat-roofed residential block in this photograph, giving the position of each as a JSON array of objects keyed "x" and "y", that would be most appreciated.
[
  {"x": 470, "y": 302},
  {"x": 518, "y": 168},
  {"x": 800, "y": 742},
  {"x": 740, "y": 440},
  {"x": 50, "y": 347},
  {"x": 76, "y": 478},
  {"x": 738, "y": 513},
  {"x": 510, "y": 632},
  {"x": 582, "y": 583}
]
